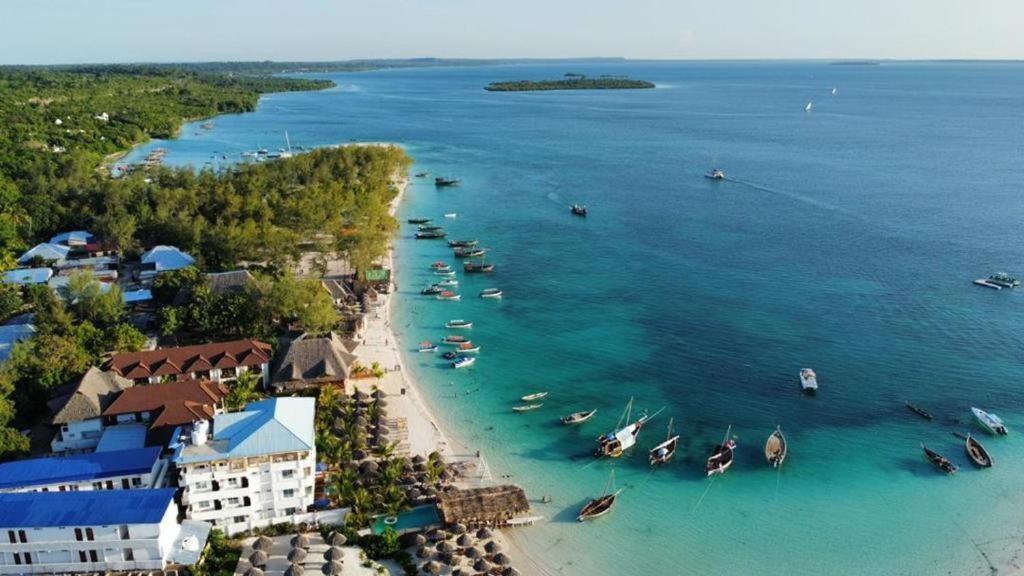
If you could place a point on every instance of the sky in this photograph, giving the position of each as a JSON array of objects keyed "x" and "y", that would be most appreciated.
[{"x": 81, "y": 31}]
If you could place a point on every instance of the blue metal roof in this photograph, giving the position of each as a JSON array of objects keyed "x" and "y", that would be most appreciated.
[
  {"x": 85, "y": 508},
  {"x": 46, "y": 251},
  {"x": 27, "y": 276},
  {"x": 122, "y": 437},
  {"x": 132, "y": 296},
  {"x": 77, "y": 236},
  {"x": 165, "y": 258},
  {"x": 271, "y": 426},
  {"x": 39, "y": 471}
]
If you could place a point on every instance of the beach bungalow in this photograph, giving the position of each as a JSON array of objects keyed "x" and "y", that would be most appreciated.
[
  {"x": 78, "y": 409},
  {"x": 163, "y": 259},
  {"x": 218, "y": 362},
  {"x": 256, "y": 469},
  {"x": 98, "y": 531},
  {"x": 314, "y": 362},
  {"x": 119, "y": 470},
  {"x": 165, "y": 407},
  {"x": 45, "y": 252},
  {"x": 27, "y": 276},
  {"x": 493, "y": 505},
  {"x": 341, "y": 294}
]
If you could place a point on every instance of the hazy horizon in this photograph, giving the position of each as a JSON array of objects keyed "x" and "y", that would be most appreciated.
[{"x": 122, "y": 31}]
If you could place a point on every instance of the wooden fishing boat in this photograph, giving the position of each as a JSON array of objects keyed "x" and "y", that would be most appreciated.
[
  {"x": 448, "y": 273},
  {"x": 990, "y": 422},
  {"x": 578, "y": 417},
  {"x": 439, "y": 265},
  {"x": 534, "y": 396},
  {"x": 490, "y": 293},
  {"x": 474, "y": 268},
  {"x": 422, "y": 174},
  {"x": 454, "y": 339},
  {"x": 578, "y": 210},
  {"x": 463, "y": 361},
  {"x": 428, "y": 346},
  {"x": 462, "y": 243},
  {"x": 429, "y": 228},
  {"x": 431, "y": 235},
  {"x": 450, "y": 355},
  {"x": 418, "y": 220},
  {"x": 470, "y": 252},
  {"x": 919, "y": 411},
  {"x": 939, "y": 461},
  {"x": 449, "y": 281},
  {"x": 432, "y": 290},
  {"x": 448, "y": 295},
  {"x": 602, "y": 504},
  {"x": 458, "y": 323},
  {"x": 663, "y": 452},
  {"x": 442, "y": 182},
  {"x": 722, "y": 456},
  {"x": 526, "y": 407},
  {"x": 976, "y": 452},
  {"x": 775, "y": 448},
  {"x": 614, "y": 443},
  {"x": 468, "y": 348}
]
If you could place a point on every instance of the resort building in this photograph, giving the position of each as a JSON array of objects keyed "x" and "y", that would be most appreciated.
[
  {"x": 256, "y": 469},
  {"x": 45, "y": 252},
  {"x": 120, "y": 470},
  {"x": 77, "y": 413},
  {"x": 97, "y": 531},
  {"x": 314, "y": 362},
  {"x": 164, "y": 407},
  {"x": 218, "y": 362},
  {"x": 163, "y": 259}
]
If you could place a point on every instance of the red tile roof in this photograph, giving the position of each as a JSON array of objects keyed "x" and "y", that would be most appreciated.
[
  {"x": 173, "y": 403},
  {"x": 187, "y": 359}
]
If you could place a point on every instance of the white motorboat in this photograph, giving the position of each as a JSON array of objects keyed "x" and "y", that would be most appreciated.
[
  {"x": 808, "y": 381},
  {"x": 990, "y": 422}
]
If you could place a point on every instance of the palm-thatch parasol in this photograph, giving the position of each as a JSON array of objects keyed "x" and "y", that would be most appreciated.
[
  {"x": 378, "y": 394},
  {"x": 492, "y": 547},
  {"x": 436, "y": 535},
  {"x": 297, "y": 555},
  {"x": 430, "y": 491},
  {"x": 361, "y": 396},
  {"x": 457, "y": 572},
  {"x": 432, "y": 567},
  {"x": 262, "y": 543},
  {"x": 482, "y": 565},
  {"x": 334, "y": 554},
  {"x": 446, "y": 558},
  {"x": 368, "y": 467},
  {"x": 423, "y": 552},
  {"x": 337, "y": 539},
  {"x": 419, "y": 459},
  {"x": 295, "y": 570},
  {"x": 382, "y": 431},
  {"x": 510, "y": 571},
  {"x": 474, "y": 552},
  {"x": 484, "y": 533},
  {"x": 258, "y": 558},
  {"x": 421, "y": 539},
  {"x": 465, "y": 541},
  {"x": 332, "y": 568},
  {"x": 413, "y": 493},
  {"x": 420, "y": 466},
  {"x": 361, "y": 421},
  {"x": 502, "y": 558},
  {"x": 253, "y": 571},
  {"x": 445, "y": 547},
  {"x": 458, "y": 528},
  {"x": 300, "y": 541}
]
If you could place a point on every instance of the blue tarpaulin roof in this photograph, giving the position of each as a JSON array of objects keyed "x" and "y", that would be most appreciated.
[
  {"x": 84, "y": 508},
  {"x": 27, "y": 276},
  {"x": 40, "y": 471}
]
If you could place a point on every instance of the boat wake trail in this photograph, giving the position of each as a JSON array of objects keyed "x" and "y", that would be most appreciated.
[{"x": 794, "y": 196}]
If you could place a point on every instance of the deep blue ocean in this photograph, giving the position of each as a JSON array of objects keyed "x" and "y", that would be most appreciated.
[{"x": 846, "y": 240}]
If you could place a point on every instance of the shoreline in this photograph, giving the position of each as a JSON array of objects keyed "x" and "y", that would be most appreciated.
[{"x": 419, "y": 411}]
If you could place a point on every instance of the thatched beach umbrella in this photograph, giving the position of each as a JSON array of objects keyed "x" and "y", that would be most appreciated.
[
  {"x": 482, "y": 565},
  {"x": 361, "y": 421},
  {"x": 446, "y": 558},
  {"x": 483, "y": 533},
  {"x": 502, "y": 558},
  {"x": 510, "y": 571},
  {"x": 421, "y": 539},
  {"x": 253, "y": 571},
  {"x": 432, "y": 567},
  {"x": 383, "y": 431},
  {"x": 420, "y": 466},
  {"x": 445, "y": 547},
  {"x": 359, "y": 454},
  {"x": 332, "y": 568},
  {"x": 474, "y": 552},
  {"x": 423, "y": 552},
  {"x": 300, "y": 541},
  {"x": 419, "y": 459},
  {"x": 337, "y": 539},
  {"x": 465, "y": 541},
  {"x": 295, "y": 570},
  {"x": 436, "y": 535},
  {"x": 457, "y": 572},
  {"x": 430, "y": 491},
  {"x": 334, "y": 554},
  {"x": 258, "y": 558},
  {"x": 492, "y": 547},
  {"x": 458, "y": 528},
  {"x": 369, "y": 467},
  {"x": 262, "y": 543},
  {"x": 297, "y": 555}
]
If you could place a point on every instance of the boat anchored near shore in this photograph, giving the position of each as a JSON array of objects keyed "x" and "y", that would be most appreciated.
[{"x": 601, "y": 505}]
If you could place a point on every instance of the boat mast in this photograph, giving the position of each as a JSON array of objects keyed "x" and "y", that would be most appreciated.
[
  {"x": 288, "y": 142},
  {"x": 669, "y": 434},
  {"x": 610, "y": 484},
  {"x": 625, "y": 414}
]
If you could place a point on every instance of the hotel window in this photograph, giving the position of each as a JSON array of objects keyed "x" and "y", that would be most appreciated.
[
  {"x": 122, "y": 532},
  {"x": 125, "y": 484},
  {"x": 97, "y": 485},
  {"x": 238, "y": 519},
  {"x": 286, "y": 474},
  {"x": 28, "y": 557},
  {"x": 82, "y": 557},
  {"x": 289, "y": 493},
  {"x": 92, "y": 556},
  {"x": 110, "y": 484},
  {"x": 78, "y": 535},
  {"x": 89, "y": 534},
  {"x": 136, "y": 482},
  {"x": 128, "y": 555},
  {"x": 22, "y": 536},
  {"x": 10, "y": 534},
  {"x": 17, "y": 558}
]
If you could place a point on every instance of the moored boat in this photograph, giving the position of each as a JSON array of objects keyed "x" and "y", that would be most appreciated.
[
  {"x": 422, "y": 174},
  {"x": 990, "y": 422},
  {"x": 468, "y": 348},
  {"x": 775, "y": 448},
  {"x": 578, "y": 210},
  {"x": 1003, "y": 279},
  {"x": 450, "y": 355},
  {"x": 534, "y": 396},
  {"x": 418, "y": 220},
  {"x": 470, "y": 252},
  {"x": 987, "y": 284},
  {"x": 808, "y": 381},
  {"x": 490, "y": 293},
  {"x": 428, "y": 228},
  {"x": 451, "y": 215},
  {"x": 614, "y": 443},
  {"x": 432, "y": 290},
  {"x": 454, "y": 339},
  {"x": 939, "y": 461},
  {"x": 663, "y": 452},
  {"x": 722, "y": 456},
  {"x": 448, "y": 282},
  {"x": 448, "y": 295},
  {"x": 715, "y": 174},
  {"x": 439, "y": 265},
  {"x": 428, "y": 346},
  {"x": 602, "y": 504},
  {"x": 458, "y": 323},
  {"x": 578, "y": 417},
  {"x": 474, "y": 268},
  {"x": 462, "y": 243},
  {"x": 976, "y": 452},
  {"x": 526, "y": 407},
  {"x": 442, "y": 182},
  {"x": 430, "y": 235},
  {"x": 461, "y": 361},
  {"x": 442, "y": 272},
  {"x": 920, "y": 411}
]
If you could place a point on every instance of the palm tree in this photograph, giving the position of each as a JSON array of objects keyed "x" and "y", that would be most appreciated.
[
  {"x": 361, "y": 505},
  {"x": 393, "y": 500},
  {"x": 243, "y": 391},
  {"x": 344, "y": 483},
  {"x": 435, "y": 467}
]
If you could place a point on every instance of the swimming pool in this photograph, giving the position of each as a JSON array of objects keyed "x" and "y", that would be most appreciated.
[{"x": 414, "y": 520}]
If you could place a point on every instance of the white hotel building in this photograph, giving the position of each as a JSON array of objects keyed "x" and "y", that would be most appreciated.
[{"x": 256, "y": 469}]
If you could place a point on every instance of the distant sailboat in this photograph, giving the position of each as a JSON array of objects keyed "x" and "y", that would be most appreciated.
[
  {"x": 808, "y": 107},
  {"x": 835, "y": 91}
]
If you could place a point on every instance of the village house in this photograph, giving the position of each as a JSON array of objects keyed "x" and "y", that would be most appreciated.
[
  {"x": 77, "y": 412},
  {"x": 218, "y": 362},
  {"x": 165, "y": 407},
  {"x": 97, "y": 531},
  {"x": 314, "y": 362},
  {"x": 256, "y": 469},
  {"x": 121, "y": 470},
  {"x": 163, "y": 259}
]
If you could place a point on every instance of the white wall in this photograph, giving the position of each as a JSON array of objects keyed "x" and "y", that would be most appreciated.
[{"x": 78, "y": 436}]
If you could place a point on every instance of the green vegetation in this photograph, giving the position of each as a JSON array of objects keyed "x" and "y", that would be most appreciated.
[
  {"x": 570, "y": 82},
  {"x": 220, "y": 557}
]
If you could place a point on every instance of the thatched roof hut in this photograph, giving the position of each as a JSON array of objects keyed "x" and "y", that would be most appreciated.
[
  {"x": 494, "y": 505},
  {"x": 474, "y": 552},
  {"x": 297, "y": 555},
  {"x": 482, "y": 565},
  {"x": 483, "y": 533},
  {"x": 445, "y": 546},
  {"x": 423, "y": 552},
  {"x": 492, "y": 547},
  {"x": 432, "y": 567},
  {"x": 502, "y": 559},
  {"x": 510, "y": 571},
  {"x": 465, "y": 541}
]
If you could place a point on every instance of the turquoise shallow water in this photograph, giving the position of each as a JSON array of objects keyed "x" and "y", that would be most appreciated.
[{"x": 848, "y": 243}]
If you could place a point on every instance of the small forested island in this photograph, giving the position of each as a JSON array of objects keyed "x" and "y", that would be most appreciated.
[{"x": 570, "y": 82}]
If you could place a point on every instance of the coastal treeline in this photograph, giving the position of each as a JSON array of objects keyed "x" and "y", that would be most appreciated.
[{"x": 570, "y": 82}]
